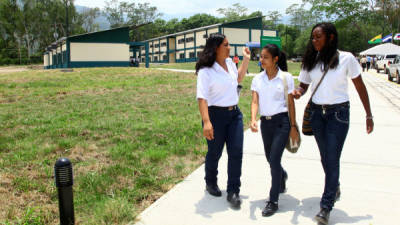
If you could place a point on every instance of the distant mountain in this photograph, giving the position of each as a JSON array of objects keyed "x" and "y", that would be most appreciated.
[{"x": 101, "y": 20}]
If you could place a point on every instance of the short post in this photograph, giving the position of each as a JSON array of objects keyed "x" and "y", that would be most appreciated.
[{"x": 64, "y": 182}]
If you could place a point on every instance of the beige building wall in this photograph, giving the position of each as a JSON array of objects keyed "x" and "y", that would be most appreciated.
[
  {"x": 182, "y": 45},
  {"x": 255, "y": 35},
  {"x": 270, "y": 33},
  {"x": 99, "y": 52},
  {"x": 213, "y": 30},
  {"x": 236, "y": 35},
  {"x": 45, "y": 60},
  {"x": 50, "y": 58},
  {"x": 190, "y": 44},
  {"x": 178, "y": 54},
  {"x": 164, "y": 48},
  {"x": 200, "y": 40}
]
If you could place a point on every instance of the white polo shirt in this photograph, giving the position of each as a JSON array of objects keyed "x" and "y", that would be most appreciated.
[
  {"x": 217, "y": 86},
  {"x": 271, "y": 96},
  {"x": 334, "y": 87}
]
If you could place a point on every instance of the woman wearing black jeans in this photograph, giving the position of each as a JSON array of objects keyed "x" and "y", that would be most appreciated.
[
  {"x": 217, "y": 95},
  {"x": 268, "y": 97},
  {"x": 330, "y": 104}
]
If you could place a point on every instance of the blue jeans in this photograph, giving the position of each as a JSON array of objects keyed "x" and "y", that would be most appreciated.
[
  {"x": 228, "y": 128},
  {"x": 275, "y": 133},
  {"x": 330, "y": 127}
]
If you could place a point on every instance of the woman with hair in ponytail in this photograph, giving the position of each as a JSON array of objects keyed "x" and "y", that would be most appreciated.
[
  {"x": 328, "y": 70},
  {"x": 218, "y": 95},
  {"x": 268, "y": 97}
]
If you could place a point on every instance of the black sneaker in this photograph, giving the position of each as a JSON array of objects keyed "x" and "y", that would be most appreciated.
[
  {"x": 323, "y": 216},
  {"x": 234, "y": 200},
  {"x": 214, "y": 190},
  {"x": 270, "y": 209},
  {"x": 283, "y": 183}
]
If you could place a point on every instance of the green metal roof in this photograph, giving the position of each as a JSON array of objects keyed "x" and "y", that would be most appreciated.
[
  {"x": 253, "y": 23},
  {"x": 116, "y": 35}
]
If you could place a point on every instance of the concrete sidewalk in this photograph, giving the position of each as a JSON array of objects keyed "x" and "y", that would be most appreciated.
[{"x": 370, "y": 168}]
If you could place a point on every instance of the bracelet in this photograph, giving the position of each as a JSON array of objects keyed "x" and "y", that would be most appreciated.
[{"x": 369, "y": 117}]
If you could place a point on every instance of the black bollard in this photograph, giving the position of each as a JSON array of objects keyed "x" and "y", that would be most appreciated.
[{"x": 64, "y": 182}]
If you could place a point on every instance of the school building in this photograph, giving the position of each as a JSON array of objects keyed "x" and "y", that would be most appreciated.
[
  {"x": 185, "y": 46},
  {"x": 97, "y": 49}
]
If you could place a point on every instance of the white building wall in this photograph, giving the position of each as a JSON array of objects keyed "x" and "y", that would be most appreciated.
[{"x": 99, "y": 52}]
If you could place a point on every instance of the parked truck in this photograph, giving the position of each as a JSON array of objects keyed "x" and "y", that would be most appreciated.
[
  {"x": 382, "y": 64},
  {"x": 394, "y": 69}
]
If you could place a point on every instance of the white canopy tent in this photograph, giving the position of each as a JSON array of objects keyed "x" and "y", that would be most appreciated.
[{"x": 382, "y": 49}]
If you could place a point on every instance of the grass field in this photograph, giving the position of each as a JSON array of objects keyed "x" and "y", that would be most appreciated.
[
  {"x": 131, "y": 134},
  {"x": 293, "y": 67}
]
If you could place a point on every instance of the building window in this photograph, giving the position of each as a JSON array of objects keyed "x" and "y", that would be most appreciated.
[
  {"x": 181, "y": 41},
  {"x": 190, "y": 39},
  {"x": 155, "y": 58},
  {"x": 164, "y": 57},
  {"x": 151, "y": 45},
  {"x": 182, "y": 55},
  {"x": 157, "y": 45},
  {"x": 198, "y": 54},
  {"x": 191, "y": 55},
  {"x": 163, "y": 44},
  {"x": 205, "y": 36}
]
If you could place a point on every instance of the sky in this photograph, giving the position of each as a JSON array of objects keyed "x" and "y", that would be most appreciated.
[{"x": 186, "y": 8}]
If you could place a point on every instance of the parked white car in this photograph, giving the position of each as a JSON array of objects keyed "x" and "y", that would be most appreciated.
[
  {"x": 394, "y": 69},
  {"x": 382, "y": 64}
]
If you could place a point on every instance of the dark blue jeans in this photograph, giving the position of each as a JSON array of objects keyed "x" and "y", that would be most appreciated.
[
  {"x": 228, "y": 128},
  {"x": 330, "y": 127},
  {"x": 275, "y": 133}
]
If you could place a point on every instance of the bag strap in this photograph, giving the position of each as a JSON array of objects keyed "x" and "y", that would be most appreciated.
[
  {"x": 325, "y": 72},
  {"x": 285, "y": 90}
]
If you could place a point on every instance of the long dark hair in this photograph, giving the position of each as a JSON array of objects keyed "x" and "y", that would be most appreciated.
[
  {"x": 209, "y": 54},
  {"x": 274, "y": 50},
  {"x": 311, "y": 56}
]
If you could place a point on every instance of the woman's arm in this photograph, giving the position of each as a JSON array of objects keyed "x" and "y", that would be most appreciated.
[
  {"x": 254, "y": 110},
  {"x": 300, "y": 90},
  {"x": 208, "y": 131},
  {"x": 362, "y": 92},
  {"x": 245, "y": 63}
]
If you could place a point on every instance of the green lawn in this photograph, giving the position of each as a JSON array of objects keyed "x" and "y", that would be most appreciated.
[
  {"x": 131, "y": 134},
  {"x": 294, "y": 67}
]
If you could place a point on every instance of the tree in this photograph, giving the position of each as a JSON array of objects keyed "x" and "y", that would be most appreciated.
[
  {"x": 88, "y": 17},
  {"x": 236, "y": 12}
]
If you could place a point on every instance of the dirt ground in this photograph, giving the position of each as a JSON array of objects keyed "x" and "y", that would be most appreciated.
[{"x": 12, "y": 69}]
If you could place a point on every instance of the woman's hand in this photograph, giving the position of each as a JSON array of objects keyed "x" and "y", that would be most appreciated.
[
  {"x": 297, "y": 93},
  {"x": 294, "y": 134},
  {"x": 208, "y": 131},
  {"x": 254, "y": 126},
  {"x": 370, "y": 125},
  {"x": 246, "y": 53}
]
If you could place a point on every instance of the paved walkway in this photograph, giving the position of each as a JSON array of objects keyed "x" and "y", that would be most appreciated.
[{"x": 370, "y": 181}]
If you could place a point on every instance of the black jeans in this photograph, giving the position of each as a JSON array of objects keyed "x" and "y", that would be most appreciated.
[
  {"x": 228, "y": 128},
  {"x": 275, "y": 133},
  {"x": 330, "y": 127}
]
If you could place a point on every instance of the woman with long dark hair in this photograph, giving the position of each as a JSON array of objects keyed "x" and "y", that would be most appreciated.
[
  {"x": 268, "y": 97},
  {"x": 218, "y": 96},
  {"x": 330, "y": 104}
]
